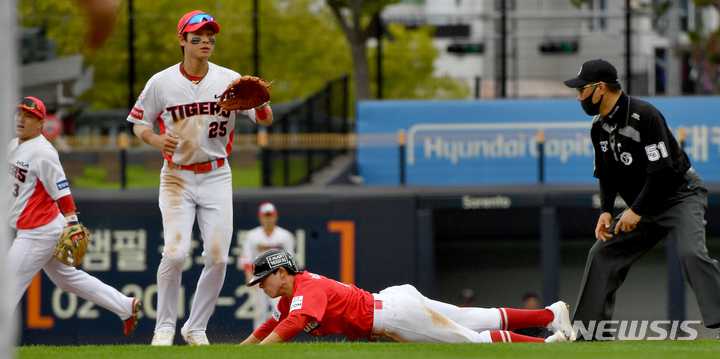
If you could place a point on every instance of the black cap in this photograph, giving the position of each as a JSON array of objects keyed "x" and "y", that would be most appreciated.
[
  {"x": 594, "y": 71},
  {"x": 269, "y": 261}
]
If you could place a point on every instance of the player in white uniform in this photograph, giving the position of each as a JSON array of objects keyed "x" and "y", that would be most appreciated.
[
  {"x": 195, "y": 139},
  {"x": 38, "y": 181},
  {"x": 258, "y": 240}
]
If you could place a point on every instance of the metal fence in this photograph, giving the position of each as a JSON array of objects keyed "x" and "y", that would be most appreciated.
[{"x": 290, "y": 154}]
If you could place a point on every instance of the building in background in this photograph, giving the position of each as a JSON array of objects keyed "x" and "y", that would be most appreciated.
[
  {"x": 57, "y": 81},
  {"x": 545, "y": 40}
]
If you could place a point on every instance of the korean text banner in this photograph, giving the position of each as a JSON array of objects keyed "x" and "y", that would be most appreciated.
[{"x": 496, "y": 142}]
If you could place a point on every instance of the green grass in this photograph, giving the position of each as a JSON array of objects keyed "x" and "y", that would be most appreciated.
[
  {"x": 297, "y": 169},
  {"x": 94, "y": 176},
  {"x": 696, "y": 349}
]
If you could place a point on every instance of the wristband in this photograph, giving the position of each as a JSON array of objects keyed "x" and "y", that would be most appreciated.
[
  {"x": 71, "y": 220},
  {"x": 263, "y": 111}
]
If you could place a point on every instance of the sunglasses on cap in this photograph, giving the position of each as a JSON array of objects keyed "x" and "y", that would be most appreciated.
[
  {"x": 196, "y": 20},
  {"x": 29, "y": 104}
]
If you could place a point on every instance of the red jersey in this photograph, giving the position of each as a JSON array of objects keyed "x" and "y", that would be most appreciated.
[{"x": 334, "y": 308}]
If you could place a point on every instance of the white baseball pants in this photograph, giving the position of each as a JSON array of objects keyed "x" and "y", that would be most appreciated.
[
  {"x": 405, "y": 315},
  {"x": 183, "y": 196},
  {"x": 34, "y": 249}
]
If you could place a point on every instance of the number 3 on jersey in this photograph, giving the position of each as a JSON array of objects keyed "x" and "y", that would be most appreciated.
[{"x": 217, "y": 129}]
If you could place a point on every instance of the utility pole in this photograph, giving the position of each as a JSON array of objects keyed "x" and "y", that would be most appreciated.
[
  {"x": 674, "y": 82},
  {"x": 256, "y": 40},
  {"x": 628, "y": 47},
  {"x": 131, "y": 55}
]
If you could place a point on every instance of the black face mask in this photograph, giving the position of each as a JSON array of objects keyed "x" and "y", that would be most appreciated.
[{"x": 589, "y": 107}]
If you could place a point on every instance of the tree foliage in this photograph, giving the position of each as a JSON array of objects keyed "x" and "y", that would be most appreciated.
[
  {"x": 302, "y": 46},
  {"x": 358, "y": 20},
  {"x": 408, "y": 67},
  {"x": 705, "y": 52}
]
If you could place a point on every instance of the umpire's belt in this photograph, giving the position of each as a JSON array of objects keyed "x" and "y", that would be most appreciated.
[{"x": 200, "y": 167}]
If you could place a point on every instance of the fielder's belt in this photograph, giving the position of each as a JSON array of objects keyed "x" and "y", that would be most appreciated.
[{"x": 200, "y": 167}]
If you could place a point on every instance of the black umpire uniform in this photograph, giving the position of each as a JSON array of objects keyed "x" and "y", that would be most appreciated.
[{"x": 637, "y": 156}]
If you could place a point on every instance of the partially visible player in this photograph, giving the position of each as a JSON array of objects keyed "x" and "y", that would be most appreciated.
[
  {"x": 258, "y": 240},
  {"x": 101, "y": 16},
  {"x": 38, "y": 181},
  {"x": 321, "y": 306},
  {"x": 195, "y": 139}
]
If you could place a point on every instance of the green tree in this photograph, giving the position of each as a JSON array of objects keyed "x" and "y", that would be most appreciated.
[
  {"x": 705, "y": 50},
  {"x": 408, "y": 67},
  {"x": 302, "y": 46},
  {"x": 358, "y": 20}
]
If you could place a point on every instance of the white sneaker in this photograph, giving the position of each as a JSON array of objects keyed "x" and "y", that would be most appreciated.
[
  {"x": 194, "y": 339},
  {"x": 560, "y": 337},
  {"x": 561, "y": 322},
  {"x": 163, "y": 338}
]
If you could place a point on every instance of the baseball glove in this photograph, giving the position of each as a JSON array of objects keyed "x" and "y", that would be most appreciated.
[
  {"x": 73, "y": 245},
  {"x": 245, "y": 93}
]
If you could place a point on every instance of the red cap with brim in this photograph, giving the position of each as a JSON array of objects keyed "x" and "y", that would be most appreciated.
[
  {"x": 195, "y": 27},
  {"x": 39, "y": 111},
  {"x": 266, "y": 209}
]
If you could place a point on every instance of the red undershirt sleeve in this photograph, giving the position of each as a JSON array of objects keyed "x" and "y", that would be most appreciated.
[
  {"x": 67, "y": 204},
  {"x": 292, "y": 326},
  {"x": 265, "y": 329}
]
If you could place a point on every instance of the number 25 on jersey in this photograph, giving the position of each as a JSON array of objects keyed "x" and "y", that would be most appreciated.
[{"x": 217, "y": 129}]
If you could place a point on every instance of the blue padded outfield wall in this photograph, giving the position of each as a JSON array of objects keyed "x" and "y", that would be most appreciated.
[{"x": 495, "y": 142}]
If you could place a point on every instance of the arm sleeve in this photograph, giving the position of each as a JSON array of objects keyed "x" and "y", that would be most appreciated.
[
  {"x": 292, "y": 326},
  {"x": 659, "y": 185},
  {"x": 52, "y": 175},
  {"x": 656, "y": 140},
  {"x": 599, "y": 168},
  {"x": 67, "y": 204},
  {"x": 147, "y": 107},
  {"x": 608, "y": 192},
  {"x": 265, "y": 329},
  {"x": 251, "y": 114}
]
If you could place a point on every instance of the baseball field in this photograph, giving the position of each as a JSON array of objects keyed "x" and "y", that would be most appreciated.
[{"x": 696, "y": 349}]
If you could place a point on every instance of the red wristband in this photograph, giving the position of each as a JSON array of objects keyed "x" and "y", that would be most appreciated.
[{"x": 262, "y": 113}]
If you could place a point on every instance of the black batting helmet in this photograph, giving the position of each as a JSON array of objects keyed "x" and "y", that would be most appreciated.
[{"x": 269, "y": 261}]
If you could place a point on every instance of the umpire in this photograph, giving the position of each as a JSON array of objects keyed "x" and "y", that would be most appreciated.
[{"x": 637, "y": 156}]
